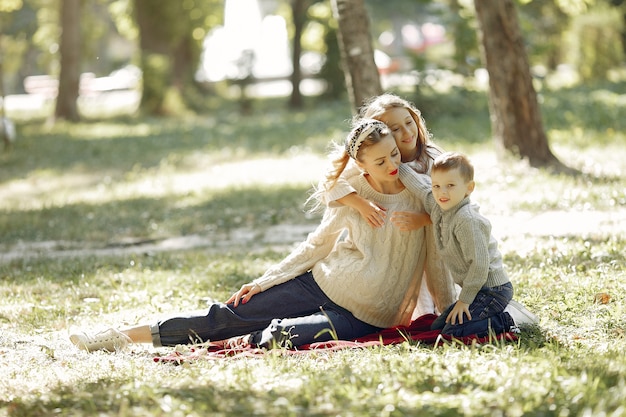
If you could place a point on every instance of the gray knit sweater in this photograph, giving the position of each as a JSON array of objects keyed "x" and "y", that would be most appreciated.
[
  {"x": 375, "y": 273},
  {"x": 463, "y": 236}
]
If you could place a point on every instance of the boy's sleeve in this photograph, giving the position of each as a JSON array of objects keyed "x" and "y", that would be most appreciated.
[
  {"x": 473, "y": 236},
  {"x": 418, "y": 184}
]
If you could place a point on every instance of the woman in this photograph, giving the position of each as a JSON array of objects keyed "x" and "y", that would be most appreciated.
[
  {"x": 418, "y": 151},
  {"x": 345, "y": 281}
]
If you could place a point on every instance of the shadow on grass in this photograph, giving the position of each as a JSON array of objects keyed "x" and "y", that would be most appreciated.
[
  {"x": 146, "y": 218},
  {"x": 108, "y": 396},
  {"x": 117, "y": 146}
]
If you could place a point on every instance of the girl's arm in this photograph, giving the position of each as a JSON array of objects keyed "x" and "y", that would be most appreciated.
[
  {"x": 371, "y": 212},
  {"x": 343, "y": 194}
]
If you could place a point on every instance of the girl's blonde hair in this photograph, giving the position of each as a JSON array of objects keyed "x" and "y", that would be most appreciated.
[{"x": 375, "y": 107}]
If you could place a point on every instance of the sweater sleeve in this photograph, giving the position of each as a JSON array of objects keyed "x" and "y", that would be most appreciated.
[
  {"x": 316, "y": 247},
  {"x": 418, "y": 184},
  {"x": 473, "y": 236},
  {"x": 438, "y": 279},
  {"x": 342, "y": 187}
]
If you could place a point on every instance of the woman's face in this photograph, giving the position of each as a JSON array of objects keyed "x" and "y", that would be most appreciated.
[
  {"x": 381, "y": 160},
  {"x": 404, "y": 130}
]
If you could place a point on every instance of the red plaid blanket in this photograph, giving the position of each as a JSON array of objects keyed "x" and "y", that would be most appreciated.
[{"x": 417, "y": 331}]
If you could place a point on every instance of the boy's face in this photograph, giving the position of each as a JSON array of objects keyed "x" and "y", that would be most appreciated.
[{"x": 449, "y": 188}]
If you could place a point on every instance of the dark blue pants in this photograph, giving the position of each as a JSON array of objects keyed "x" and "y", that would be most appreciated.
[
  {"x": 294, "y": 313},
  {"x": 487, "y": 312}
]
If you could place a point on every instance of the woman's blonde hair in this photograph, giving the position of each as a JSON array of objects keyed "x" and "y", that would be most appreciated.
[
  {"x": 375, "y": 107},
  {"x": 366, "y": 132}
]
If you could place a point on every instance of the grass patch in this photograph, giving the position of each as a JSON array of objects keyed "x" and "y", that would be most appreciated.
[{"x": 114, "y": 181}]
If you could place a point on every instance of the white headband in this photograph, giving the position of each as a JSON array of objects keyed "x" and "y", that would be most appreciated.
[{"x": 360, "y": 133}]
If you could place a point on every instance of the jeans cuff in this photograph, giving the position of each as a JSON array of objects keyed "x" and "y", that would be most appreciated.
[{"x": 156, "y": 335}]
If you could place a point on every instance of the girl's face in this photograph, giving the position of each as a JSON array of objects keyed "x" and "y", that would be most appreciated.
[
  {"x": 381, "y": 160},
  {"x": 404, "y": 130},
  {"x": 449, "y": 187}
]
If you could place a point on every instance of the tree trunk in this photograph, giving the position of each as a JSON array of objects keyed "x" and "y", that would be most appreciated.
[
  {"x": 357, "y": 53},
  {"x": 69, "y": 78},
  {"x": 515, "y": 115},
  {"x": 298, "y": 10},
  {"x": 169, "y": 55},
  {"x": 156, "y": 63}
]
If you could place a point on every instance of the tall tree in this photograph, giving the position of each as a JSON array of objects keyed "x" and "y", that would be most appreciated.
[
  {"x": 515, "y": 115},
  {"x": 170, "y": 38},
  {"x": 357, "y": 52},
  {"x": 298, "y": 13},
  {"x": 69, "y": 78}
]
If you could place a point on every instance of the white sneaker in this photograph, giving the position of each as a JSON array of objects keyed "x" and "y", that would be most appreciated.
[
  {"x": 520, "y": 314},
  {"x": 110, "y": 340}
]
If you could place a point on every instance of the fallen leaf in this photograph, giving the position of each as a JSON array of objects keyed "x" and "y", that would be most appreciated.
[{"x": 601, "y": 298}]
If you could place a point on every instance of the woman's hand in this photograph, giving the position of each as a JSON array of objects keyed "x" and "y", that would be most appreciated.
[
  {"x": 456, "y": 315},
  {"x": 408, "y": 220},
  {"x": 244, "y": 294}
]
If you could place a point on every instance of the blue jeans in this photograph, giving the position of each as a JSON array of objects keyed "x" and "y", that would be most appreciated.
[
  {"x": 294, "y": 313},
  {"x": 487, "y": 312}
]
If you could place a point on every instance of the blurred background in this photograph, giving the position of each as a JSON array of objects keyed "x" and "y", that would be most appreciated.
[{"x": 165, "y": 57}]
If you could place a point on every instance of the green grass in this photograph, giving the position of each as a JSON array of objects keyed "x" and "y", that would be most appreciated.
[{"x": 80, "y": 190}]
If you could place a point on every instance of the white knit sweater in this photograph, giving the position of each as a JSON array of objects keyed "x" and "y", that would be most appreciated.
[
  {"x": 438, "y": 279},
  {"x": 375, "y": 273}
]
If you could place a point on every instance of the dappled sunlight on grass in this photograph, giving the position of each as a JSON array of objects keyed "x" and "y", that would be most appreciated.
[
  {"x": 84, "y": 208},
  {"x": 576, "y": 356},
  {"x": 509, "y": 186},
  {"x": 46, "y": 189},
  {"x": 41, "y": 190}
]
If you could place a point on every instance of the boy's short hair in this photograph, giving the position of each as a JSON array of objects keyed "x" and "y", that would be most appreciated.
[{"x": 454, "y": 160}]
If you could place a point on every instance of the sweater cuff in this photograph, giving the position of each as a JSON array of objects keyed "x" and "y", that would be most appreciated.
[
  {"x": 467, "y": 295},
  {"x": 335, "y": 194}
]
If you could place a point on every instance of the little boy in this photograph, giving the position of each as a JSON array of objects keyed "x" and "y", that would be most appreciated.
[{"x": 466, "y": 245}]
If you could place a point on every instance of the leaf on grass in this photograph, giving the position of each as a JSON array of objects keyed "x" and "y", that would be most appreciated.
[{"x": 601, "y": 298}]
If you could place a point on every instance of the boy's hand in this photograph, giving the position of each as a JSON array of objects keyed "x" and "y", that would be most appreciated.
[
  {"x": 456, "y": 315},
  {"x": 408, "y": 220}
]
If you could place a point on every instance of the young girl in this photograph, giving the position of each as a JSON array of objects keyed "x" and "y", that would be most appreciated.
[
  {"x": 345, "y": 281},
  {"x": 413, "y": 140}
]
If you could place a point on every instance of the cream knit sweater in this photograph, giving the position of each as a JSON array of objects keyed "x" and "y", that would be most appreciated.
[
  {"x": 440, "y": 284},
  {"x": 375, "y": 273}
]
